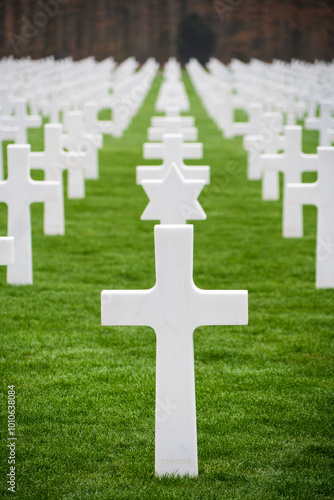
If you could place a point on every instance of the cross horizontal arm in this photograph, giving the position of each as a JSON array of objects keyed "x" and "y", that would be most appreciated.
[
  {"x": 241, "y": 128},
  {"x": 160, "y": 121},
  {"x": 156, "y": 133},
  {"x": 8, "y": 133},
  {"x": 43, "y": 191},
  {"x": 192, "y": 151},
  {"x": 6, "y": 251},
  {"x": 37, "y": 160},
  {"x": 304, "y": 194},
  {"x": 272, "y": 162},
  {"x": 250, "y": 141},
  {"x": 189, "y": 151},
  {"x": 224, "y": 307},
  {"x": 5, "y": 194},
  {"x": 126, "y": 307},
  {"x": 153, "y": 151},
  {"x": 312, "y": 123},
  {"x": 310, "y": 162},
  {"x": 71, "y": 160},
  {"x": 144, "y": 173}
]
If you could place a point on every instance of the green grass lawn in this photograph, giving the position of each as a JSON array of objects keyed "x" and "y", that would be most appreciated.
[{"x": 85, "y": 394}]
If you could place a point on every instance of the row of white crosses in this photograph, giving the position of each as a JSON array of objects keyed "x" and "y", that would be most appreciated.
[
  {"x": 52, "y": 88},
  {"x": 18, "y": 191},
  {"x": 32, "y": 83},
  {"x": 7, "y": 133},
  {"x": 174, "y": 307},
  {"x": 82, "y": 140},
  {"x": 290, "y": 89},
  {"x": 220, "y": 102},
  {"x": 14, "y": 127},
  {"x": 263, "y": 140},
  {"x": 127, "y": 97}
]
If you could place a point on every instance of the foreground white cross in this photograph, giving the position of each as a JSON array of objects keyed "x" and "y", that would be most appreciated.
[
  {"x": 323, "y": 123},
  {"x": 18, "y": 192},
  {"x": 173, "y": 150},
  {"x": 292, "y": 163},
  {"x": 320, "y": 194},
  {"x": 22, "y": 120},
  {"x": 174, "y": 308}
]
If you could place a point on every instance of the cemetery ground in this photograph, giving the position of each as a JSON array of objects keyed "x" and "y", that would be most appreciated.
[{"x": 85, "y": 394}]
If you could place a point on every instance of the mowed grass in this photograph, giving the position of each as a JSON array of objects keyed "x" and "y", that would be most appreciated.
[{"x": 86, "y": 393}]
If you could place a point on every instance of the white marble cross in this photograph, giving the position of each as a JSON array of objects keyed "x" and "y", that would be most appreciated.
[
  {"x": 85, "y": 144},
  {"x": 320, "y": 194},
  {"x": 174, "y": 110},
  {"x": 267, "y": 140},
  {"x": 323, "y": 123},
  {"x": 53, "y": 160},
  {"x": 106, "y": 127},
  {"x": 22, "y": 120},
  {"x": 292, "y": 163},
  {"x": 173, "y": 199},
  {"x": 91, "y": 123},
  {"x": 174, "y": 308},
  {"x": 159, "y": 121},
  {"x": 172, "y": 126},
  {"x": 6, "y": 250},
  {"x": 56, "y": 105},
  {"x": 173, "y": 150},
  {"x": 6, "y": 134},
  {"x": 18, "y": 192},
  {"x": 253, "y": 124},
  {"x": 231, "y": 128},
  {"x": 181, "y": 102}
]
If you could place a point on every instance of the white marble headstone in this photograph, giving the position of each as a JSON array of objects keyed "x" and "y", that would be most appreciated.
[
  {"x": 159, "y": 121},
  {"x": 267, "y": 140},
  {"x": 6, "y": 134},
  {"x": 53, "y": 161},
  {"x": 173, "y": 150},
  {"x": 323, "y": 124},
  {"x": 82, "y": 143},
  {"x": 320, "y": 194},
  {"x": 22, "y": 120},
  {"x": 18, "y": 192},
  {"x": 253, "y": 125},
  {"x": 292, "y": 163},
  {"x": 172, "y": 126},
  {"x": 174, "y": 308}
]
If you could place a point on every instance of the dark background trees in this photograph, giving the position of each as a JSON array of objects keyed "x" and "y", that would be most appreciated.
[{"x": 265, "y": 29}]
